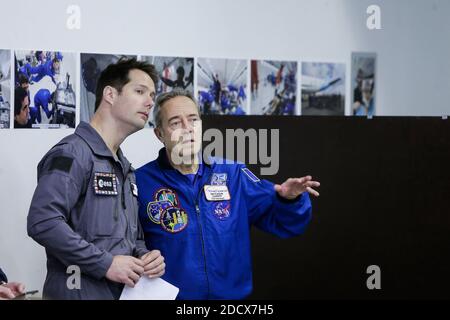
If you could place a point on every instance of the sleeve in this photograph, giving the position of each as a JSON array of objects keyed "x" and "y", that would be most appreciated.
[
  {"x": 35, "y": 70},
  {"x": 270, "y": 212},
  {"x": 61, "y": 178}
]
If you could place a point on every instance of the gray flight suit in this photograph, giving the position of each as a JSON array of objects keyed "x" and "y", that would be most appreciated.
[{"x": 84, "y": 211}]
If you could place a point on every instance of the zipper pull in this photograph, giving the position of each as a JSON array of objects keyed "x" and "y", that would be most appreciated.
[{"x": 197, "y": 208}]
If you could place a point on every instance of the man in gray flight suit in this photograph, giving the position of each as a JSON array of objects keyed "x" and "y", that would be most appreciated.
[{"x": 84, "y": 210}]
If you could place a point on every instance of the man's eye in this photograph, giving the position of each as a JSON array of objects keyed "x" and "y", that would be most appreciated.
[{"x": 140, "y": 91}]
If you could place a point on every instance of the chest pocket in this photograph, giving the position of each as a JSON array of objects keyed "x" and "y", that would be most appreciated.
[
  {"x": 221, "y": 216},
  {"x": 103, "y": 196}
]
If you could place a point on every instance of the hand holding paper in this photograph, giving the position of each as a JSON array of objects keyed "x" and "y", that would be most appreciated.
[{"x": 150, "y": 289}]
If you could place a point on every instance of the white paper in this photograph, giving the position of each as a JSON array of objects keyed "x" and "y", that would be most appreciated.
[{"x": 150, "y": 289}]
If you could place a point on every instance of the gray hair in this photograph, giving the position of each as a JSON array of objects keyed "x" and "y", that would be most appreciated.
[{"x": 164, "y": 97}]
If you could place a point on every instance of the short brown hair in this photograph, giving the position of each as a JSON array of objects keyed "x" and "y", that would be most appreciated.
[{"x": 116, "y": 76}]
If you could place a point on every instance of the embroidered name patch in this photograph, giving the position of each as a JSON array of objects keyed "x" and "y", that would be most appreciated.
[{"x": 216, "y": 193}]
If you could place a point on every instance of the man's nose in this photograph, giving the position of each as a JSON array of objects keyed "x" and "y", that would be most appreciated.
[
  {"x": 187, "y": 125},
  {"x": 150, "y": 102}
]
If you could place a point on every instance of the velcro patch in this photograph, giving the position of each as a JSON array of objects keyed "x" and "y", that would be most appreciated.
[
  {"x": 61, "y": 163},
  {"x": 250, "y": 174}
]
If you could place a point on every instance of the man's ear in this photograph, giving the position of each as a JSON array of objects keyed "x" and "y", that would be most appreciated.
[
  {"x": 158, "y": 134},
  {"x": 109, "y": 94}
]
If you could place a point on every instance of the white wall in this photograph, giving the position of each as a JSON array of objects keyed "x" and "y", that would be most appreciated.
[{"x": 413, "y": 73}]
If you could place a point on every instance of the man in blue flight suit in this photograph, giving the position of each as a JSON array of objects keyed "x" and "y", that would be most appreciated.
[
  {"x": 199, "y": 213},
  {"x": 84, "y": 210},
  {"x": 41, "y": 99},
  {"x": 49, "y": 68}
]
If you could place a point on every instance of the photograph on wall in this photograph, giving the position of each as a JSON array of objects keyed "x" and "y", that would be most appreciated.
[
  {"x": 363, "y": 83},
  {"x": 91, "y": 65},
  {"x": 5, "y": 88},
  {"x": 273, "y": 86},
  {"x": 222, "y": 86},
  {"x": 174, "y": 72},
  {"x": 323, "y": 89},
  {"x": 44, "y": 89}
]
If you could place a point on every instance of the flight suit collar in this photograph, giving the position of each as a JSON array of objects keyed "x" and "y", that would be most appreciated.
[
  {"x": 164, "y": 162},
  {"x": 98, "y": 146},
  {"x": 175, "y": 177}
]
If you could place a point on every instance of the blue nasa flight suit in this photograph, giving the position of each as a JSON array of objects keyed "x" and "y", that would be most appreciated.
[
  {"x": 41, "y": 99},
  {"x": 206, "y": 244},
  {"x": 41, "y": 71}
]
